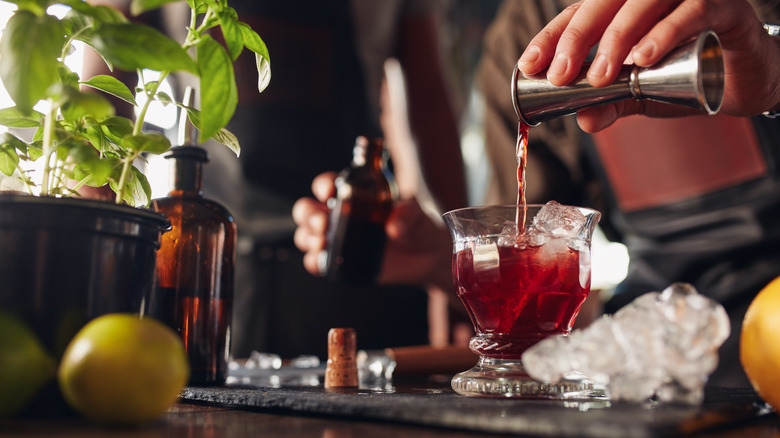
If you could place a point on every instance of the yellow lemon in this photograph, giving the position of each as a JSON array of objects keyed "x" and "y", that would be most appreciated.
[
  {"x": 25, "y": 365},
  {"x": 759, "y": 349},
  {"x": 123, "y": 369}
]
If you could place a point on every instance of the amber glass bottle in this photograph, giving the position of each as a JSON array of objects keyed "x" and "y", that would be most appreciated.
[
  {"x": 365, "y": 191},
  {"x": 195, "y": 268}
]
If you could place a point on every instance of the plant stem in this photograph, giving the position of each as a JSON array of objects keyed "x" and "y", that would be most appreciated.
[
  {"x": 48, "y": 134},
  {"x": 120, "y": 190},
  {"x": 149, "y": 98},
  {"x": 137, "y": 129},
  {"x": 80, "y": 184}
]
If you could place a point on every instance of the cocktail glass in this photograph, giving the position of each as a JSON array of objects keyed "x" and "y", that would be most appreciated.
[{"x": 523, "y": 275}]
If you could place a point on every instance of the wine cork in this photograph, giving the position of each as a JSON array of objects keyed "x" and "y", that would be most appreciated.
[{"x": 341, "y": 369}]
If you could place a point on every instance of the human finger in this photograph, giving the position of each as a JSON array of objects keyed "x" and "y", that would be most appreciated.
[
  {"x": 312, "y": 263},
  {"x": 323, "y": 186},
  {"x": 629, "y": 24},
  {"x": 310, "y": 213},
  {"x": 597, "y": 118},
  {"x": 541, "y": 48},
  {"x": 684, "y": 22},
  {"x": 311, "y": 218},
  {"x": 581, "y": 33}
]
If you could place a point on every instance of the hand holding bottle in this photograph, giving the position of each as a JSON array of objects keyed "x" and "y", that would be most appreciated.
[
  {"x": 643, "y": 32},
  {"x": 418, "y": 247}
]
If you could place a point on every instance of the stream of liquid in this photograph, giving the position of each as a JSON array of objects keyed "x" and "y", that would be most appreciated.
[{"x": 521, "y": 150}]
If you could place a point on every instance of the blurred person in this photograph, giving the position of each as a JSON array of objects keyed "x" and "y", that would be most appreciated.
[
  {"x": 327, "y": 62},
  {"x": 694, "y": 198}
]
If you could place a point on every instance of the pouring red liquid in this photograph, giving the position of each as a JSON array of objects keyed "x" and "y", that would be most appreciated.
[{"x": 518, "y": 294}]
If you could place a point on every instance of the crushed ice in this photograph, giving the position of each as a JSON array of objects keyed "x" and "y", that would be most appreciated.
[{"x": 662, "y": 345}]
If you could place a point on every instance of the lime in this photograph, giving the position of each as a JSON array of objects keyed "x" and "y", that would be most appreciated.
[
  {"x": 123, "y": 369},
  {"x": 25, "y": 365}
]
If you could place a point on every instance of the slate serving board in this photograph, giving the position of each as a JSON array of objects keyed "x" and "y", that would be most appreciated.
[{"x": 435, "y": 404}]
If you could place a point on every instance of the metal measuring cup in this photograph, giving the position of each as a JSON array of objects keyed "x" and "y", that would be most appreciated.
[{"x": 692, "y": 75}]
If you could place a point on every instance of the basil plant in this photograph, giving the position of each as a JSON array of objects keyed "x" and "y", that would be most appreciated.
[{"x": 78, "y": 137}]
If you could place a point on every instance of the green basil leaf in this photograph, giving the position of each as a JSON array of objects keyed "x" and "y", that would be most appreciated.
[
  {"x": 215, "y": 5},
  {"x": 253, "y": 42},
  {"x": 152, "y": 142},
  {"x": 68, "y": 79},
  {"x": 91, "y": 165},
  {"x": 222, "y": 136},
  {"x": 150, "y": 86},
  {"x": 29, "y": 47},
  {"x": 139, "y": 6},
  {"x": 9, "y": 139},
  {"x": 113, "y": 86},
  {"x": 137, "y": 190},
  {"x": 80, "y": 105},
  {"x": 97, "y": 173},
  {"x": 13, "y": 118},
  {"x": 92, "y": 133},
  {"x": 36, "y": 6},
  {"x": 83, "y": 15},
  {"x": 116, "y": 128},
  {"x": 143, "y": 194},
  {"x": 231, "y": 31},
  {"x": 228, "y": 139},
  {"x": 65, "y": 146},
  {"x": 199, "y": 6},
  {"x": 218, "y": 91},
  {"x": 9, "y": 158},
  {"x": 164, "y": 98},
  {"x": 73, "y": 23},
  {"x": 132, "y": 46}
]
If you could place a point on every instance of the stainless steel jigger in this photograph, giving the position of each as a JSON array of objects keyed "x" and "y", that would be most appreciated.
[{"x": 692, "y": 75}]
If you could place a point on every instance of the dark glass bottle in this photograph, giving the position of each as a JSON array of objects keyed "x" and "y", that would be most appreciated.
[
  {"x": 195, "y": 268},
  {"x": 365, "y": 192}
]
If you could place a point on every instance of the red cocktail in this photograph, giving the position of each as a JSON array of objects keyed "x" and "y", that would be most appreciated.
[{"x": 519, "y": 284}]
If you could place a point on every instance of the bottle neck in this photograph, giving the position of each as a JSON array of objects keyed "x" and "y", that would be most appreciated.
[
  {"x": 369, "y": 153},
  {"x": 186, "y": 176},
  {"x": 186, "y": 165}
]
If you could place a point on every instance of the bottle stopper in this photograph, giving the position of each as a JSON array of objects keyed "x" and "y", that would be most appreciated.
[{"x": 341, "y": 369}]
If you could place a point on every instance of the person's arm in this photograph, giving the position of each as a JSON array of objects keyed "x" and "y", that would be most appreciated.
[
  {"x": 644, "y": 31},
  {"x": 418, "y": 250},
  {"x": 431, "y": 114}
]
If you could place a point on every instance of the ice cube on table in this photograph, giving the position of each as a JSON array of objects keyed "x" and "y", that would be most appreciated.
[
  {"x": 661, "y": 345},
  {"x": 263, "y": 361}
]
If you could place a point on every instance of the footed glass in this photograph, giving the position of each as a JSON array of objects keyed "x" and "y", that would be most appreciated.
[{"x": 522, "y": 274}]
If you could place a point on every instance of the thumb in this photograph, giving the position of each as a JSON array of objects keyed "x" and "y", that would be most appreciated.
[{"x": 597, "y": 118}]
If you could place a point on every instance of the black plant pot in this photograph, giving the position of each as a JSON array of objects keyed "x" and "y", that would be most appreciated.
[{"x": 64, "y": 261}]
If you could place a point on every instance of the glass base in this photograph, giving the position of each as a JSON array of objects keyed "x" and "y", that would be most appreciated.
[{"x": 507, "y": 378}]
